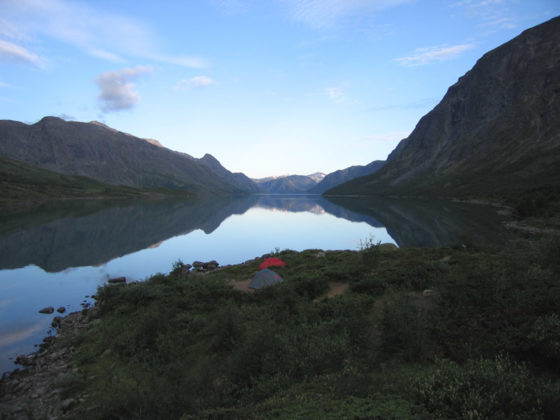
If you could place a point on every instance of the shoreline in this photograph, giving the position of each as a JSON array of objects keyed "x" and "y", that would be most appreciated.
[
  {"x": 200, "y": 319},
  {"x": 36, "y": 389}
]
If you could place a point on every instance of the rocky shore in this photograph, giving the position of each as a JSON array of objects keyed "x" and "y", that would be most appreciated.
[{"x": 35, "y": 391}]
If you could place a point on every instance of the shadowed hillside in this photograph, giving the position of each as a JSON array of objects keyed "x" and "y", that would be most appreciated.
[
  {"x": 496, "y": 131},
  {"x": 107, "y": 155}
]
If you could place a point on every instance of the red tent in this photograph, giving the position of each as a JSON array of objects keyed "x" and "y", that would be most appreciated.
[{"x": 272, "y": 261}]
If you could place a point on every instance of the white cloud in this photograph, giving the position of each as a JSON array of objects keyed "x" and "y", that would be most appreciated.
[
  {"x": 17, "y": 54},
  {"x": 325, "y": 13},
  {"x": 427, "y": 55},
  {"x": 105, "y": 35},
  {"x": 335, "y": 93},
  {"x": 117, "y": 88},
  {"x": 194, "y": 82},
  {"x": 184, "y": 61},
  {"x": 106, "y": 55}
]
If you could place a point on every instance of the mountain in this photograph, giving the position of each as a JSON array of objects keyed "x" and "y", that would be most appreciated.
[
  {"x": 495, "y": 132},
  {"x": 21, "y": 183},
  {"x": 238, "y": 180},
  {"x": 105, "y": 154},
  {"x": 317, "y": 176},
  {"x": 344, "y": 175},
  {"x": 289, "y": 184}
]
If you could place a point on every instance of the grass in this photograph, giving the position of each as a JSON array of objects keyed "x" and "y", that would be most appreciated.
[
  {"x": 483, "y": 342},
  {"x": 21, "y": 184}
]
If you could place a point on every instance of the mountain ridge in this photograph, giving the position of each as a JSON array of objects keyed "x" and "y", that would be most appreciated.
[
  {"x": 496, "y": 131},
  {"x": 107, "y": 155}
]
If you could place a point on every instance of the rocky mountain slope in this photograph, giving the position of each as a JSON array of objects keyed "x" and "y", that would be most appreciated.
[
  {"x": 344, "y": 175},
  {"x": 238, "y": 179},
  {"x": 102, "y": 153},
  {"x": 495, "y": 132}
]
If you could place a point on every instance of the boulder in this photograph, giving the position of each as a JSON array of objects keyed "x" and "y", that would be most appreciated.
[
  {"x": 61, "y": 310},
  {"x": 212, "y": 265},
  {"x": 47, "y": 310}
]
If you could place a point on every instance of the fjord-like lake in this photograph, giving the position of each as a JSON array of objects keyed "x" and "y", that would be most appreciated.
[{"x": 58, "y": 255}]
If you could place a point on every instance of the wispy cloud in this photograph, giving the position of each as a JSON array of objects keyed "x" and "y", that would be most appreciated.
[
  {"x": 117, "y": 88},
  {"x": 104, "y": 35},
  {"x": 194, "y": 82},
  {"x": 106, "y": 55},
  {"x": 492, "y": 14},
  {"x": 18, "y": 54},
  {"x": 337, "y": 94},
  {"x": 180, "y": 60},
  {"x": 422, "y": 56},
  {"x": 325, "y": 13}
]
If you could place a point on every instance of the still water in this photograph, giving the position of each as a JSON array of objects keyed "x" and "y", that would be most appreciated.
[{"x": 59, "y": 255}]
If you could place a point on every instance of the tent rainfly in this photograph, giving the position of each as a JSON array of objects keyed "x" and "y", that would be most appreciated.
[
  {"x": 265, "y": 278},
  {"x": 272, "y": 261}
]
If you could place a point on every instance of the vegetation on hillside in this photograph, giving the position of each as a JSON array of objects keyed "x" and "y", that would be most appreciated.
[
  {"x": 21, "y": 183},
  {"x": 454, "y": 332}
]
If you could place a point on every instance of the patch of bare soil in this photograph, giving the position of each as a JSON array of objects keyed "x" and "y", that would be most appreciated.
[{"x": 242, "y": 285}]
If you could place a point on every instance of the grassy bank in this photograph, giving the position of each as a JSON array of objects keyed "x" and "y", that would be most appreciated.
[{"x": 455, "y": 332}]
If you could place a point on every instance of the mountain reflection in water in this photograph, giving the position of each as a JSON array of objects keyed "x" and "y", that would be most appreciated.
[{"x": 91, "y": 233}]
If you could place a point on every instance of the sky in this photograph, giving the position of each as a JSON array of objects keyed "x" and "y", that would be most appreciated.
[{"x": 268, "y": 87}]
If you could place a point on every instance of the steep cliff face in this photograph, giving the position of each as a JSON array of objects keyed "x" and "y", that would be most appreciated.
[
  {"x": 99, "y": 152},
  {"x": 497, "y": 130}
]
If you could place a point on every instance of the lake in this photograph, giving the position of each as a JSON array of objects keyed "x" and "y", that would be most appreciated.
[{"x": 57, "y": 255}]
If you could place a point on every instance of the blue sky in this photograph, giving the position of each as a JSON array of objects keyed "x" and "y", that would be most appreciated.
[{"x": 269, "y": 87}]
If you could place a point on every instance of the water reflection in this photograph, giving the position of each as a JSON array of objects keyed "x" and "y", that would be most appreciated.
[
  {"x": 430, "y": 223},
  {"x": 59, "y": 254},
  {"x": 87, "y": 234}
]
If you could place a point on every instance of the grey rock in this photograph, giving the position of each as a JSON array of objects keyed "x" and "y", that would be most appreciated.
[{"x": 47, "y": 310}]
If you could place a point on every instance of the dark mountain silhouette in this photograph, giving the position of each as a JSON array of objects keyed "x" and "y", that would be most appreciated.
[
  {"x": 495, "y": 132},
  {"x": 107, "y": 155},
  {"x": 344, "y": 175},
  {"x": 238, "y": 180}
]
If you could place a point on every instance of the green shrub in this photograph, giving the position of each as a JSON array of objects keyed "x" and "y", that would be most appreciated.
[
  {"x": 496, "y": 388},
  {"x": 371, "y": 253},
  {"x": 404, "y": 330}
]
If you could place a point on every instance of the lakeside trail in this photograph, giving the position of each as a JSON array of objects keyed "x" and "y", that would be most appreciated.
[{"x": 383, "y": 332}]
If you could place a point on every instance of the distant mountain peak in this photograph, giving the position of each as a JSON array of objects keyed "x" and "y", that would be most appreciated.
[{"x": 317, "y": 176}]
